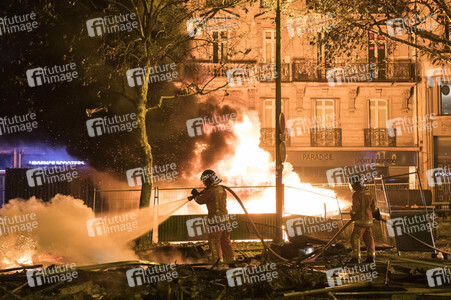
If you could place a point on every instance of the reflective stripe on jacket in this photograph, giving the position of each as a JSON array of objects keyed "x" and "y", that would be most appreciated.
[
  {"x": 215, "y": 197},
  {"x": 363, "y": 205}
]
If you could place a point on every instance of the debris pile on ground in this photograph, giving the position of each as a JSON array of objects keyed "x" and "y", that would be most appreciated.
[{"x": 391, "y": 276}]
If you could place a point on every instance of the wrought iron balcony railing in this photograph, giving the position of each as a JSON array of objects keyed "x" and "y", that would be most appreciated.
[
  {"x": 325, "y": 137},
  {"x": 246, "y": 71},
  {"x": 303, "y": 70},
  {"x": 310, "y": 70},
  {"x": 268, "y": 137},
  {"x": 215, "y": 3},
  {"x": 380, "y": 137}
]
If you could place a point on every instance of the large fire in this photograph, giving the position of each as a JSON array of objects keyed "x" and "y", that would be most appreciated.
[
  {"x": 62, "y": 236},
  {"x": 253, "y": 167}
]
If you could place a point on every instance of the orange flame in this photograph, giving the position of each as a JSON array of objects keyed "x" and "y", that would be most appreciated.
[{"x": 251, "y": 165}]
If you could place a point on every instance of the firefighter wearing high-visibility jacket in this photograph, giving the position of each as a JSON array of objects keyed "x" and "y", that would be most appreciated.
[
  {"x": 362, "y": 213},
  {"x": 215, "y": 197}
]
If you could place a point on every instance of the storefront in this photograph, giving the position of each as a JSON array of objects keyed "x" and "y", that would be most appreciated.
[
  {"x": 442, "y": 158},
  {"x": 313, "y": 165}
]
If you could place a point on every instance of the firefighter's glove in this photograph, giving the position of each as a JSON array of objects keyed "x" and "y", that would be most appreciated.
[
  {"x": 353, "y": 215},
  {"x": 194, "y": 193},
  {"x": 377, "y": 214}
]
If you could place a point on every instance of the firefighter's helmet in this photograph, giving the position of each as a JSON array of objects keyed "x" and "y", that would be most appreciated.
[
  {"x": 356, "y": 183},
  {"x": 209, "y": 177}
]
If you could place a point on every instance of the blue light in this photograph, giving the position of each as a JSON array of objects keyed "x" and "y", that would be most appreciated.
[{"x": 55, "y": 162}]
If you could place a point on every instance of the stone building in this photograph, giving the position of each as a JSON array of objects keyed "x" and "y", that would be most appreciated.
[{"x": 373, "y": 112}]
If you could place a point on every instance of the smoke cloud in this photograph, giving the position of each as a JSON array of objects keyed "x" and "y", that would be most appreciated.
[{"x": 65, "y": 230}]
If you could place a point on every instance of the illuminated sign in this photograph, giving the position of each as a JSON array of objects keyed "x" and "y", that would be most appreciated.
[
  {"x": 351, "y": 158},
  {"x": 55, "y": 162}
]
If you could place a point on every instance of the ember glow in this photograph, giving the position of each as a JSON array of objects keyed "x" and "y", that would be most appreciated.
[
  {"x": 251, "y": 165},
  {"x": 17, "y": 259}
]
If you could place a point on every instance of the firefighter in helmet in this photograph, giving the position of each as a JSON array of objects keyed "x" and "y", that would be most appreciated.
[
  {"x": 215, "y": 197},
  {"x": 362, "y": 213}
]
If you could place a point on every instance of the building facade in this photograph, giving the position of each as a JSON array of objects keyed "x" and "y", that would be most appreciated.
[{"x": 367, "y": 112}]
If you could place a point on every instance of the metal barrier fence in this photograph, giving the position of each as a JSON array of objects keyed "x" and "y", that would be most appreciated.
[
  {"x": 258, "y": 200},
  {"x": 118, "y": 200},
  {"x": 115, "y": 200},
  {"x": 402, "y": 186}
]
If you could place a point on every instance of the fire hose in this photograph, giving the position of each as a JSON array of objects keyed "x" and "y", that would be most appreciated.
[
  {"x": 265, "y": 247},
  {"x": 253, "y": 225},
  {"x": 312, "y": 256}
]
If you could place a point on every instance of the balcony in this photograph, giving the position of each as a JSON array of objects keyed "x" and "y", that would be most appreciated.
[
  {"x": 247, "y": 70},
  {"x": 380, "y": 137},
  {"x": 216, "y": 3},
  {"x": 301, "y": 70},
  {"x": 310, "y": 70},
  {"x": 325, "y": 137},
  {"x": 206, "y": 68},
  {"x": 268, "y": 137}
]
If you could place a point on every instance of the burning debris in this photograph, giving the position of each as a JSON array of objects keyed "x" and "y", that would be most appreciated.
[
  {"x": 101, "y": 245},
  {"x": 57, "y": 233},
  {"x": 29, "y": 249},
  {"x": 137, "y": 119}
]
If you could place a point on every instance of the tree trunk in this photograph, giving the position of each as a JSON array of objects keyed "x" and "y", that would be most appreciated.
[{"x": 146, "y": 188}]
